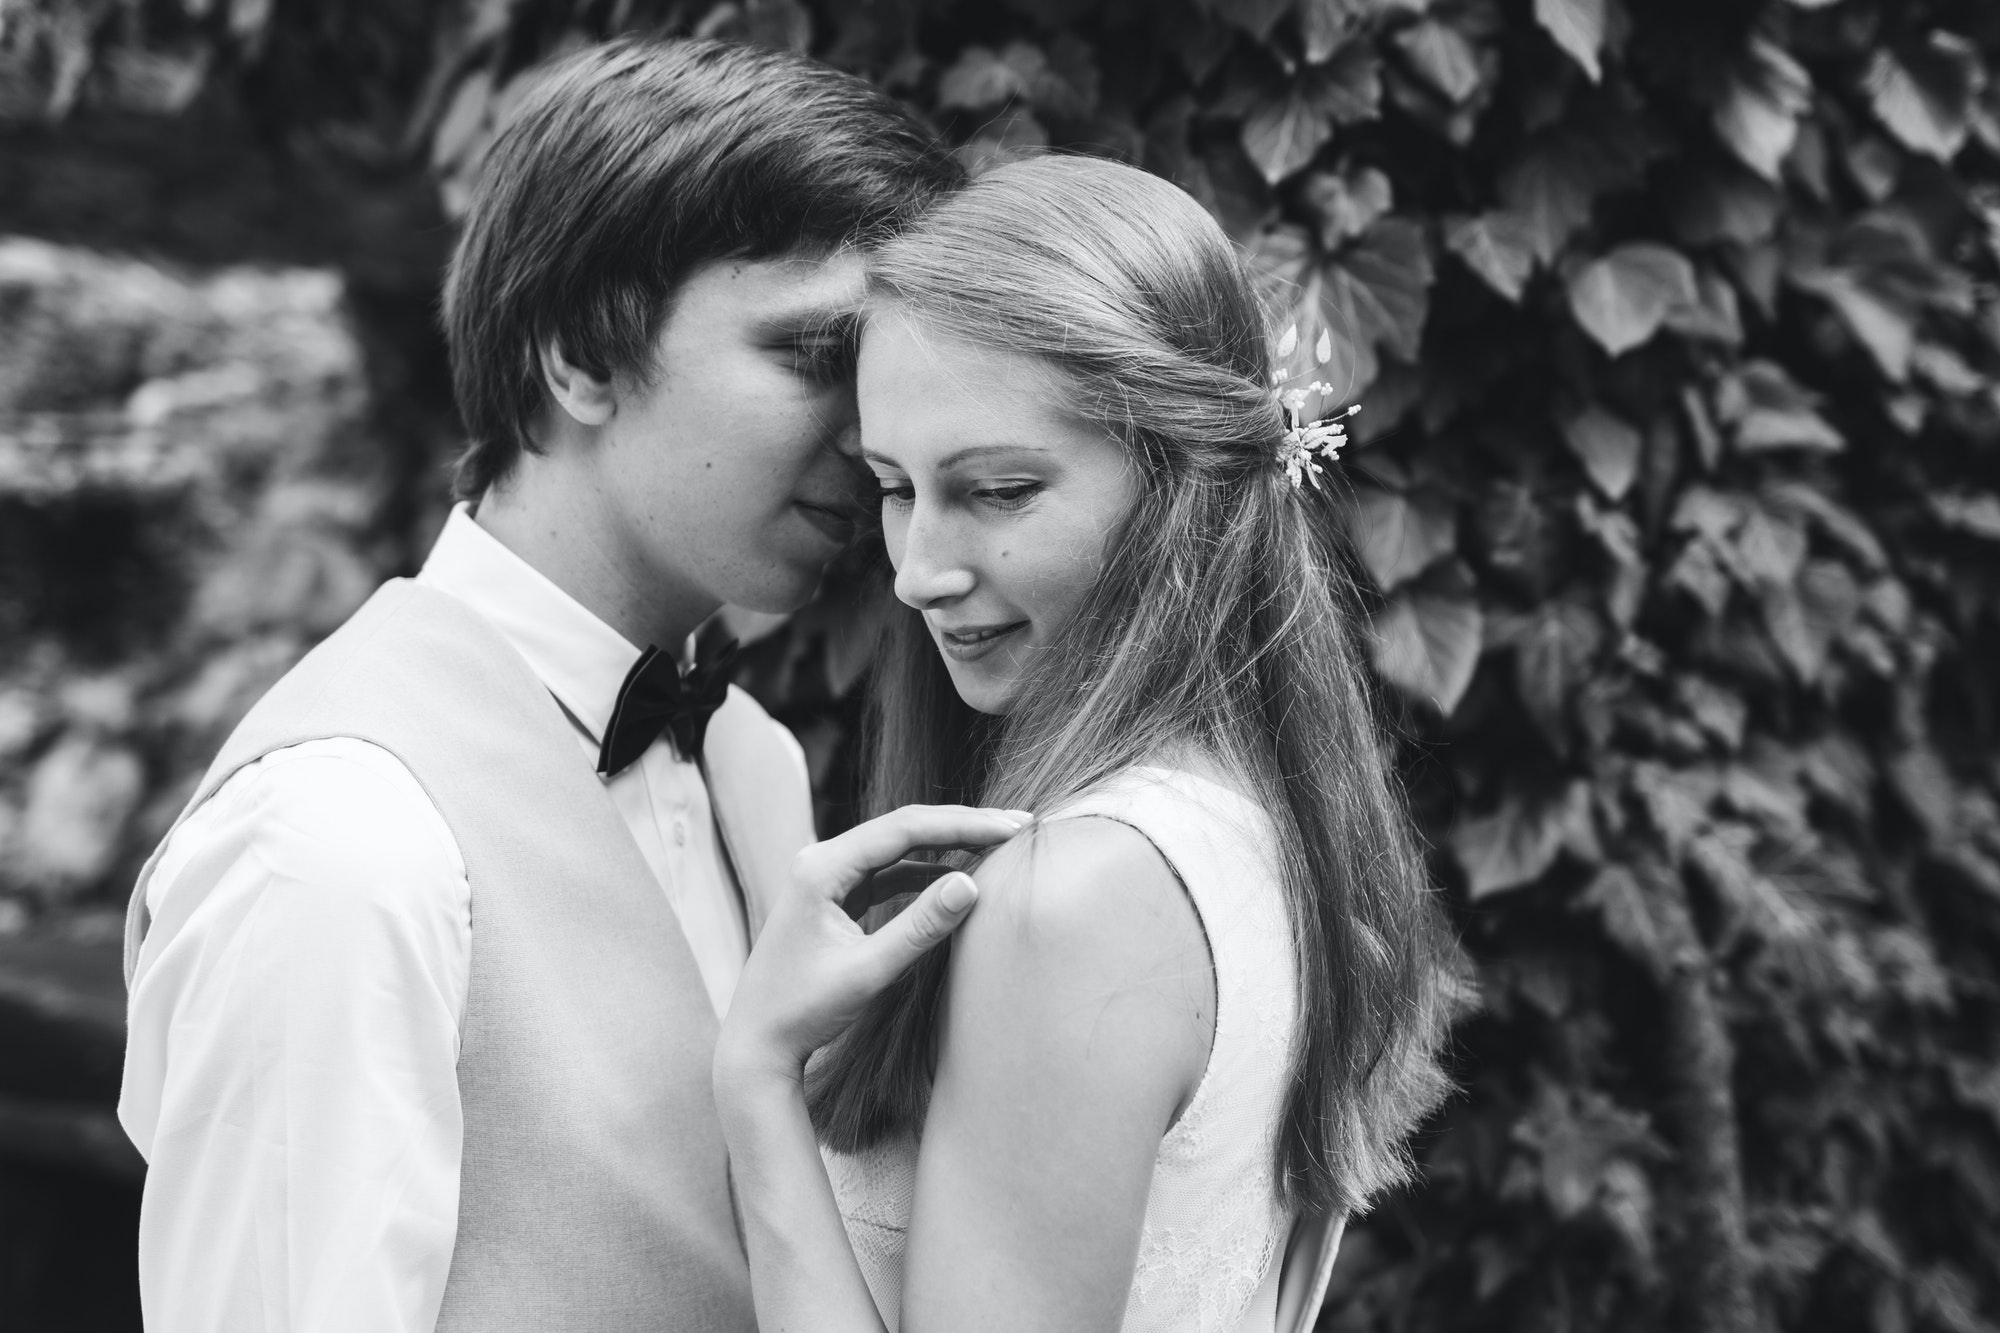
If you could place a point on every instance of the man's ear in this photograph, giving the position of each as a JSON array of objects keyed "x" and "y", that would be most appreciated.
[{"x": 584, "y": 396}]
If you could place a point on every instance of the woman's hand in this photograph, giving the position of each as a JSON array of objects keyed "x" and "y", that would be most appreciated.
[{"x": 813, "y": 968}]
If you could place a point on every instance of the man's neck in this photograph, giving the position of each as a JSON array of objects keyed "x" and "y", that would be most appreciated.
[{"x": 571, "y": 542}]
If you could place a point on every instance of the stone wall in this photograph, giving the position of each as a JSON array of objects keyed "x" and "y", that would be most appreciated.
[{"x": 188, "y": 500}]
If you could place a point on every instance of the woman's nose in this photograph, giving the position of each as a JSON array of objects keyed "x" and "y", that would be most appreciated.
[{"x": 930, "y": 569}]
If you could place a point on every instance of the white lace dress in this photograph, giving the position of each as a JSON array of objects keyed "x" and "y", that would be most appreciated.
[{"x": 1214, "y": 1231}]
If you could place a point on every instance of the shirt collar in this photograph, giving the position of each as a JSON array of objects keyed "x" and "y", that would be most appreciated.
[{"x": 581, "y": 660}]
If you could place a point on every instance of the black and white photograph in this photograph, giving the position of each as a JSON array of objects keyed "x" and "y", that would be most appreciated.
[{"x": 999, "y": 666}]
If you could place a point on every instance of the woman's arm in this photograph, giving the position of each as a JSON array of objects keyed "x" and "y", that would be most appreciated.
[
  {"x": 811, "y": 972},
  {"x": 803, "y": 1275},
  {"x": 1078, "y": 1021}
]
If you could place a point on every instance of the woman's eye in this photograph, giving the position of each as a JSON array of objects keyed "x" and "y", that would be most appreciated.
[
  {"x": 1010, "y": 495},
  {"x": 898, "y": 493}
]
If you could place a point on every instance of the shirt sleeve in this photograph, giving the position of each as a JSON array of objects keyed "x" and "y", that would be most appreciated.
[{"x": 291, "y": 1069}]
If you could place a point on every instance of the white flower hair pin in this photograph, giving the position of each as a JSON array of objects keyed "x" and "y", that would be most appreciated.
[{"x": 1311, "y": 440}]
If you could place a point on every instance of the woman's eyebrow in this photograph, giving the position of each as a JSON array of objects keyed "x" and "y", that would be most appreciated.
[{"x": 958, "y": 456}]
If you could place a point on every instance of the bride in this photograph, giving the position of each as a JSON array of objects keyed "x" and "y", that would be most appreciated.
[{"x": 1202, "y": 999}]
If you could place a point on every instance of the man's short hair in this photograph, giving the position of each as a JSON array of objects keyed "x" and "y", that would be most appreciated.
[{"x": 625, "y": 167}]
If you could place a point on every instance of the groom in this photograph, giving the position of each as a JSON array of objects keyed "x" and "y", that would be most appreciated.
[{"x": 425, "y": 981}]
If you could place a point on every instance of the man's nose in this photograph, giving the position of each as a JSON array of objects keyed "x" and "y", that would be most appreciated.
[
  {"x": 931, "y": 570},
  {"x": 847, "y": 440}
]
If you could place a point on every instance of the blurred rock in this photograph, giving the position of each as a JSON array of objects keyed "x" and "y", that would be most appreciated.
[
  {"x": 229, "y": 683},
  {"x": 20, "y": 721},
  {"x": 116, "y": 374},
  {"x": 297, "y": 566},
  {"x": 104, "y": 704},
  {"x": 79, "y": 799},
  {"x": 194, "y": 503}
]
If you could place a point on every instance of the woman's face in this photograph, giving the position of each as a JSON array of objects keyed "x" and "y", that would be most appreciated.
[{"x": 997, "y": 501}]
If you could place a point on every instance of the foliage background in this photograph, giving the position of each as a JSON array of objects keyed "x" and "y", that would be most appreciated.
[{"x": 1676, "y": 327}]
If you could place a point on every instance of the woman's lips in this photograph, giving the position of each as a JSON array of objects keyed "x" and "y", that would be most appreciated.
[{"x": 975, "y": 642}]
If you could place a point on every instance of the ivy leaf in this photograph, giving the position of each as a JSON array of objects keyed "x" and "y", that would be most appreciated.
[
  {"x": 1805, "y": 618},
  {"x": 1398, "y": 537},
  {"x": 1376, "y": 294},
  {"x": 1499, "y": 247},
  {"x": 1256, "y": 17},
  {"x": 1759, "y": 903},
  {"x": 1282, "y": 134},
  {"x": 1976, "y": 515},
  {"x": 1887, "y": 332},
  {"x": 1578, "y": 28},
  {"x": 1701, "y": 425},
  {"x": 1792, "y": 631},
  {"x": 1698, "y": 572},
  {"x": 1281, "y": 261},
  {"x": 1713, "y": 317},
  {"x": 982, "y": 77},
  {"x": 1769, "y": 411},
  {"x": 1608, "y": 446},
  {"x": 1326, "y": 25},
  {"x": 1729, "y": 205},
  {"x": 1516, "y": 844},
  {"x": 1768, "y": 549},
  {"x": 1581, "y": 1137},
  {"x": 1350, "y": 85},
  {"x": 1627, "y": 910},
  {"x": 1347, "y": 203},
  {"x": 1622, "y": 299},
  {"x": 1426, "y": 644},
  {"x": 1443, "y": 57},
  {"x": 1555, "y": 651},
  {"x": 1617, "y": 534},
  {"x": 1875, "y": 165},
  {"x": 1949, "y": 372},
  {"x": 1927, "y": 96},
  {"x": 1758, "y": 116},
  {"x": 1718, "y": 711},
  {"x": 1552, "y": 188},
  {"x": 1835, "y": 522}
]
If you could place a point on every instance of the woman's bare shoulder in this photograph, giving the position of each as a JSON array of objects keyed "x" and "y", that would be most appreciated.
[{"x": 1094, "y": 887}]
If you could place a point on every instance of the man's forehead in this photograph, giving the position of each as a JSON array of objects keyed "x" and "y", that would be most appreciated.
[{"x": 803, "y": 291}]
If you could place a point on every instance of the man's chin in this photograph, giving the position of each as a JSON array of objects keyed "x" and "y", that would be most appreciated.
[{"x": 783, "y": 591}]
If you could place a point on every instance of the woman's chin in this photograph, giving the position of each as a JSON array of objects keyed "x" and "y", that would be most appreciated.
[{"x": 981, "y": 689}]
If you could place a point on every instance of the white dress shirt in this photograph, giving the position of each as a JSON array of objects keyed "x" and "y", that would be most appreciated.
[{"x": 291, "y": 1073}]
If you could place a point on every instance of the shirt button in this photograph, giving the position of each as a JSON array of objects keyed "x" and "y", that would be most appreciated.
[{"x": 680, "y": 834}]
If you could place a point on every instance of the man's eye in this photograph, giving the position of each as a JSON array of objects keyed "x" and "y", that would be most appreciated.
[{"x": 823, "y": 360}]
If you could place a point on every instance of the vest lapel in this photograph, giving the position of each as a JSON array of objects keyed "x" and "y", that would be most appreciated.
[{"x": 747, "y": 763}]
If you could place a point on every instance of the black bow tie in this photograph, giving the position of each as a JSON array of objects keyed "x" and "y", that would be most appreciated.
[{"x": 655, "y": 698}]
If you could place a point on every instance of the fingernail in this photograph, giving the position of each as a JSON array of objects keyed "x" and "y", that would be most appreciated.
[
  {"x": 1020, "y": 816},
  {"x": 956, "y": 891}
]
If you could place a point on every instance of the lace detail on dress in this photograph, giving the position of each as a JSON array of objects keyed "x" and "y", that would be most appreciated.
[
  {"x": 1199, "y": 1276},
  {"x": 876, "y": 1189}
]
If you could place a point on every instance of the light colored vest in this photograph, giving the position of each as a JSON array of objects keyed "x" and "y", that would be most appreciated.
[{"x": 593, "y": 1192}]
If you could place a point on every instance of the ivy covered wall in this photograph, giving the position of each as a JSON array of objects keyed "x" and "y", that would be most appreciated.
[{"x": 1676, "y": 329}]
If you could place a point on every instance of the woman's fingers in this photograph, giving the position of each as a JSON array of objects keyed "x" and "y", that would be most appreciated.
[
  {"x": 834, "y": 867},
  {"x": 922, "y": 926}
]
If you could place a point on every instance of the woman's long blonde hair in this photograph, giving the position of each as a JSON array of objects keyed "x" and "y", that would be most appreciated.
[{"x": 1223, "y": 621}]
